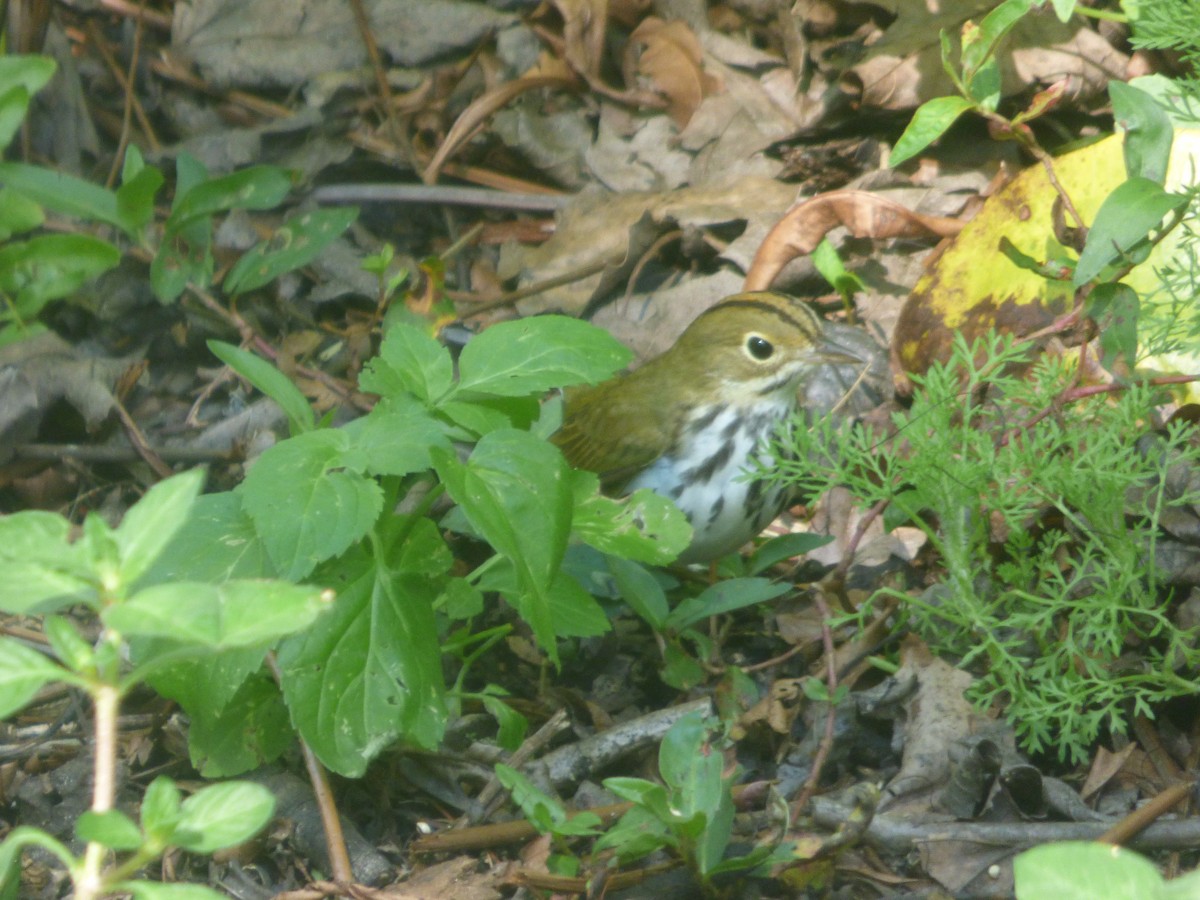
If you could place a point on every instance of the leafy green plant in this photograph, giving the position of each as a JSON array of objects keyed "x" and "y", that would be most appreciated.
[
  {"x": 155, "y": 623},
  {"x": 321, "y": 506},
  {"x": 1082, "y": 870},
  {"x": 690, "y": 814},
  {"x": 548, "y": 816},
  {"x": 1044, "y": 509}
]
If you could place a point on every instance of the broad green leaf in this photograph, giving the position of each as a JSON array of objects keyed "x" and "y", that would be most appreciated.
[
  {"x": 112, "y": 829},
  {"x": 535, "y": 354},
  {"x": 1126, "y": 217},
  {"x": 646, "y": 526},
  {"x": 270, "y": 381},
  {"x": 296, "y": 243},
  {"x": 982, "y": 45},
  {"x": 258, "y": 187},
  {"x": 222, "y": 815},
  {"x": 726, "y": 596},
  {"x": 637, "y": 834},
  {"x": 71, "y": 650},
  {"x": 928, "y": 124},
  {"x": 409, "y": 361},
  {"x": 23, "y": 671},
  {"x": 39, "y": 570},
  {"x": 305, "y": 505},
  {"x": 370, "y": 671},
  {"x": 232, "y": 548},
  {"x": 395, "y": 437},
  {"x": 1148, "y": 131},
  {"x": 515, "y": 490},
  {"x": 1084, "y": 870},
  {"x": 52, "y": 266},
  {"x": 249, "y": 731},
  {"x": 150, "y": 523},
  {"x": 232, "y": 614},
  {"x": 63, "y": 193}
]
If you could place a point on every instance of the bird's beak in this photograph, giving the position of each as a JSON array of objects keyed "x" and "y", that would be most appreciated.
[{"x": 830, "y": 352}]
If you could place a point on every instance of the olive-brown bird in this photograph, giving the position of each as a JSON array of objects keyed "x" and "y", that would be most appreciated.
[{"x": 689, "y": 424}]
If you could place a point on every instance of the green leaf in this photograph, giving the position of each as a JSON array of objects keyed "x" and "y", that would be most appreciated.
[
  {"x": 512, "y": 725},
  {"x": 1148, "y": 131},
  {"x": 535, "y": 354},
  {"x": 52, "y": 266},
  {"x": 64, "y": 193},
  {"x": 23, "y": 671},
  {"x": 161, "y": 807},
  {"x": 785, "y": 546},
  {"x": 232, "y": 548},
  {"x": 371, "y": 670},
  {"x": 641, "y": 590},
  {"x": 515, "y": 490},
  {"x": 1125, "y": 218},
  {"x": 929, "y": 123},
  {"x": 296, "y": 243},
  {"x": 183, "y": 258},
  {"x": 14, "y": 102},
  {"x": 232, "y": 614},
  {"x": 223, "y": 815},
  {"x": 258, "y": 187},
  {"x": 981, "y": 45},
  {"x": 135, "y": 197},
  {"x": 156, "y": 890},
  {"x": 270, "y": 381},
  {"x": 1083, "y": 870},
  {"x": 29, "y": 71},
  {"x": 39, "y": 570},
  {"x": 305, "y": 505},
  {"x": 249, "y": 731},
  {"x": 409, "y": 361},
  {"x": 68, "y": 645},
  {"x": 646, "y": 526},
  {"x": 18, "y": 214},
  {"x": 726, "y": 596},
  {"x": 396, "y": 436},
  {"x": 1114, "y": 306},
  {"x": 112, "y": 829},
  {"x": 150, "y": 523}
]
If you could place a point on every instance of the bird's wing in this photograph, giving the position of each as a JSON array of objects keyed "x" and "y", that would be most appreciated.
[{"x": 612, "y": 437}]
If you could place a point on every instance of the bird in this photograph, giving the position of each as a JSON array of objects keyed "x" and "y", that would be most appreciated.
[{"x": 691, "y": 423}]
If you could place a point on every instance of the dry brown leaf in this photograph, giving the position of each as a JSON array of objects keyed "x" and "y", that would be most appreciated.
[
  {"x": 477, "y": 112},
  {"x": 863, "y": 214},
  {"x": 671, "y": 57},
  {"x": 584, "y": 24}
]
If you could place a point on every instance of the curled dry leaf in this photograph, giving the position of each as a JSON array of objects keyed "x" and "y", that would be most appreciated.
[
  {"x": 480, "y": 108},
  {"x": 672, "y": 59},
  {"x": 584, "y": 25},
  {"x": 863, "y": 214}
]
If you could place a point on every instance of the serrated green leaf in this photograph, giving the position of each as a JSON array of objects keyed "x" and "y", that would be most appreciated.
[
  {"x": 533, "y": 355},
  {"x": 396, "y": 436},
  {"x": 370, "y": 671},
  {"x": 39, "y": 570},
  {"x": 409, "y": 361},
  {"x": 515, "y": 490},
  {"x": 305, "y": 507}
]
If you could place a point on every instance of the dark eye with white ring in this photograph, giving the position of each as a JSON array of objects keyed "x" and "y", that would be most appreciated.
[{"x": 760, "y": 348}]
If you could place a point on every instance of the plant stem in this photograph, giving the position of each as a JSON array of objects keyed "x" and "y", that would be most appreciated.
[{"x": 105, "y": 699}]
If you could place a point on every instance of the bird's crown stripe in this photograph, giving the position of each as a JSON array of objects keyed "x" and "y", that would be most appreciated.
[{"x": 808, "y": 324}]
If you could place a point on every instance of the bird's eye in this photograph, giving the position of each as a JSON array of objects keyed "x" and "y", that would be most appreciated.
[{"x": 759, "y": 347}]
